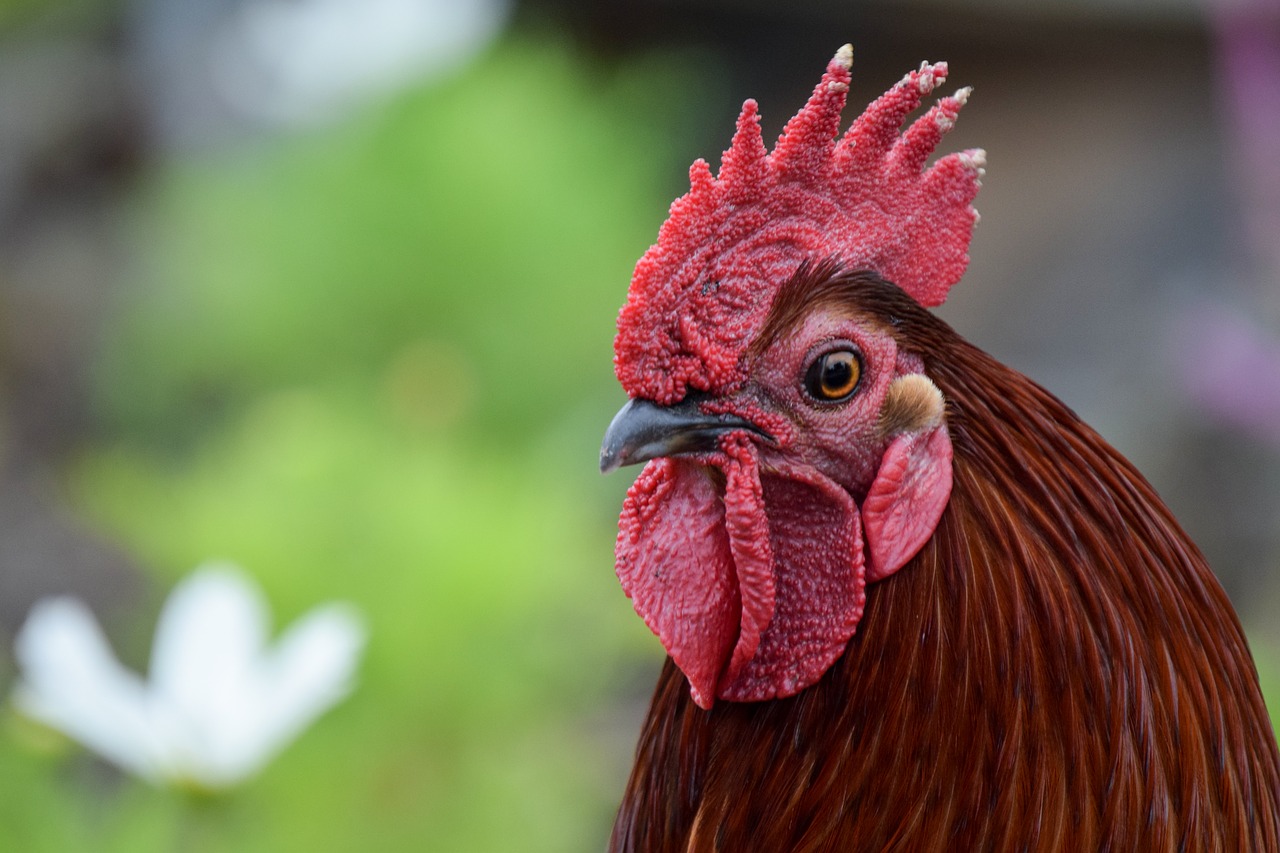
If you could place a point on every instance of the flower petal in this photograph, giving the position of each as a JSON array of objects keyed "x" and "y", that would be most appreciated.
[
  {"x": 211, "y": 633},
  {"x": 72, "y": 682},
  {"x": 310, "y": 669}
]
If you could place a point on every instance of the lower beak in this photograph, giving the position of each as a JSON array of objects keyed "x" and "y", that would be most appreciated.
[{"x": 643, "y": 430}]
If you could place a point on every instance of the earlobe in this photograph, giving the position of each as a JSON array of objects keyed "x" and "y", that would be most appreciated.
[{"x": 906, "y": 499}]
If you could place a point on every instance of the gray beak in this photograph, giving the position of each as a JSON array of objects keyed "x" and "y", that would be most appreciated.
[{"x": 643, "y": 430}]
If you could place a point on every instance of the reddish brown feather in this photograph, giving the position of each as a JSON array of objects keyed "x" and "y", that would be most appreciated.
[{"x": 1057, "y": 669}]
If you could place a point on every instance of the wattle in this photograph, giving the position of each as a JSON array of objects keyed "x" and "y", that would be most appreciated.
[{"x": 753, "y": 581}]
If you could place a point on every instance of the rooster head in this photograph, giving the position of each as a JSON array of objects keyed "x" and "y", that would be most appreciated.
[{"x": 795, "y": 450}]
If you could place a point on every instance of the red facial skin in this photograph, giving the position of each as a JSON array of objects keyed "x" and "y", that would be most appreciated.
[
  {"x": 840, "y": 440},
  {"x": 750, "y": 563}
]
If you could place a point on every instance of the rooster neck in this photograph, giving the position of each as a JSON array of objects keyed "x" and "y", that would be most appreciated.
[{"x": 1056, "y": 669}]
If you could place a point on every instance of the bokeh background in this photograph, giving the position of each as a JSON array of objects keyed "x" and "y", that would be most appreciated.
[{"x": 327, "y": 287}]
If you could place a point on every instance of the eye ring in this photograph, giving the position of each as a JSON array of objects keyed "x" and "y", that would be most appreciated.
[{"x": 834, "y": 376}]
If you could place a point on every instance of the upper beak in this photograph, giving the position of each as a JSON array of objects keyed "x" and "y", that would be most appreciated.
[{"x": 643, "y": 430}]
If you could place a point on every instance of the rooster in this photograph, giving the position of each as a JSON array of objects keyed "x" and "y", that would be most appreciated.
[{"x": 910, "y": 601}]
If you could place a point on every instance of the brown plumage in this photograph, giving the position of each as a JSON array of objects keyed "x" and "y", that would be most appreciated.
[{"x": 1056, "y": 669}]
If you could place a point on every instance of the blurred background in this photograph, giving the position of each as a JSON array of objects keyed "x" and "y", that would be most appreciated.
[{"x": 327, "y": 287}]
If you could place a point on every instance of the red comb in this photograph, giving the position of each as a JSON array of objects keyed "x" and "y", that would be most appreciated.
[{"x": 701, "y": 293}]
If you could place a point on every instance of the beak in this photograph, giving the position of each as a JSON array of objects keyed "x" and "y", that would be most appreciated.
[{"x": 643, "y": 430}]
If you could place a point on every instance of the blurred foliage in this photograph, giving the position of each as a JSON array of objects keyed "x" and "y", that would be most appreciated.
[
  {"x": 477, "y": 237},
  {"x": 374, "y": 363},
  {"x": 56, "y": 16},
  {"x": 1264, "y": 657}
]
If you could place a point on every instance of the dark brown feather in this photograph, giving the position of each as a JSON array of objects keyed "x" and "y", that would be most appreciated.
[{"x": 1057, "y": 669}]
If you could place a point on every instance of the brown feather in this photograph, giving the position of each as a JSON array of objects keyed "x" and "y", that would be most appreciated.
[{"x": 1057, "y": 669}]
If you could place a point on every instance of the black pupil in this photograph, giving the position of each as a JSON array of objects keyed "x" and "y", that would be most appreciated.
[{"x": 837, "y": 371}]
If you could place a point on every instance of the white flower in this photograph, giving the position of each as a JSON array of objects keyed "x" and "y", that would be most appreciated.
[{"x": 219, "y": 704}]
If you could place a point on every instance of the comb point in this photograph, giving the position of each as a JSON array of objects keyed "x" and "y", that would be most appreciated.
[
  {"x": 974, "y": 159},
  {"x": 841, "y": 62}
]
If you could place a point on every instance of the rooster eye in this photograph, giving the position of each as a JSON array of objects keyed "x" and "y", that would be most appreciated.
[{"x": 833, "y": 376}]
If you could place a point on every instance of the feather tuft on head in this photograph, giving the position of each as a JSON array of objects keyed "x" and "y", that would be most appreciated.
[{"x": 701, "y": 292}]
